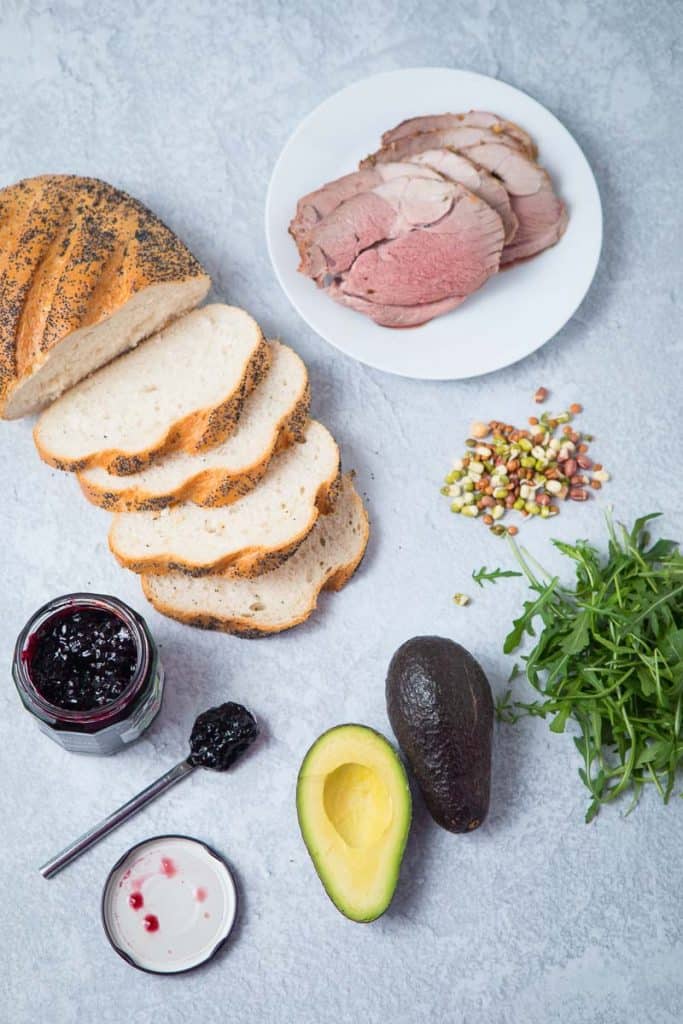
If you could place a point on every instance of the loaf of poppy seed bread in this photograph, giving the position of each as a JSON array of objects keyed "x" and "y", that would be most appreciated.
[
  {"x": 277, "y": 600},
  {"x": 86, "y": 272},
  {"x": 181, "y": 390}
]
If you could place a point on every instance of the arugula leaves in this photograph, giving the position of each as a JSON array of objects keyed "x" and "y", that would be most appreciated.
[
  {"x": 607, "y": 656},
  {"x": 482, "y": 576}
]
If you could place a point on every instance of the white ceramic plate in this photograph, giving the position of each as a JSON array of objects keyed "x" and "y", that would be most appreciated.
[{"x": 516, "y": 311}]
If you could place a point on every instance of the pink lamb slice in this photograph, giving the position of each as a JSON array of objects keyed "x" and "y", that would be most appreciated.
[
  {"x": 396, "y": 316},
  {"x": 385, "y": 212},
  {"x": 453, "y": 256},
  {"x": 455, "y": 167},
  {"x": 542, "y": 216},
  {"x": 459, "y": 139},
  {"x": 471, "y": 119},
  {"x": 317, "y": 205}
]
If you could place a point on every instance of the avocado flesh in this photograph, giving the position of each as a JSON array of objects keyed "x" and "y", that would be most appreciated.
[{"x": 354, "y": 808}]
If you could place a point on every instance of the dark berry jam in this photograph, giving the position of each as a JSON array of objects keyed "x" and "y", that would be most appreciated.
[
  {"x": 87, "y": 668},
  {"x": 82, "y": 659},
  {"x": 221, "y": 735},
  {"x": 151, "y": 923}
]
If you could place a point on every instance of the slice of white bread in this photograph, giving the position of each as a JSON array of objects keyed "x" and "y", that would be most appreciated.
[
  {"x": 279, "y": 599},
  {"x": 254, "y": 534},
  {"x": 86, "y": 272},
  {"x": 273, "y": 416},
  {"x": 182, "y": 389}
]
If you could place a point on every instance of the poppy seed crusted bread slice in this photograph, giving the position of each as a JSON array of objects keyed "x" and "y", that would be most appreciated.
[
  {"x": 279, "y": 599},
  {"x": 274, "y": 414},
  {"x": 182, "y": 389},
  {"x": 255, "y": 533}
]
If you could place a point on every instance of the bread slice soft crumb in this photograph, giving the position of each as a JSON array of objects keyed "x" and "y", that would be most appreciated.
[
  {"x": 280, "y": 599},
  {"x": 183, "y": 389},
  {"x": 273, "y": 416},
  {"x": 257, "y": 532}
]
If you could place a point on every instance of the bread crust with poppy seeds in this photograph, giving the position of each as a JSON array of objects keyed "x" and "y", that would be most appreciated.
[{"x": 86, "y": 272}]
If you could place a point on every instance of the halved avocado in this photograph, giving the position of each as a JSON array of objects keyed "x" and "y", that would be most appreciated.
[{"x": 354, "y": 807}]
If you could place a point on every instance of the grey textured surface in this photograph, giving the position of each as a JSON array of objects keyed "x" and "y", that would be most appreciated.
[{"x": 536, "y": 918}]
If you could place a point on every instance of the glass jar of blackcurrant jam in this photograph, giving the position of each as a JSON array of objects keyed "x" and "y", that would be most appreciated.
[{"x": 88, "y": 669}]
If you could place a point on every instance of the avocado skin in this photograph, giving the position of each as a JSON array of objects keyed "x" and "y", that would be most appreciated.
[{"x": 441, "y": 710}]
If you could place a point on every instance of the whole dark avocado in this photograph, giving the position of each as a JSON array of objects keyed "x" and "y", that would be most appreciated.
[{"x": 441, "y": 710}]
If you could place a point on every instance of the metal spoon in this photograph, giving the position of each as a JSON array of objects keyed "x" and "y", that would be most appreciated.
[{"x": 219, "y": 736}]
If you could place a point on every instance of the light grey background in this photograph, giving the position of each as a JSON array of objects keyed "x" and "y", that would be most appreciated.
[{"x": 536, "y": 918}]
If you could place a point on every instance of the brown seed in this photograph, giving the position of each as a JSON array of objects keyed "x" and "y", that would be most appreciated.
[
  {"x": 578, "y": 494},
  {"x": 513, "y": 466},
  {"x": 584, "y": 461},
  {"x": 486, "y": 502},
  {"x": 487, "y": 520},
  {"x": 513, "y": 531},
  {"x": 479, "y": 429},
  {"x": 575, "y": 408},
  {"x": 533, "y": 421},
  {"x": 570, "y": 467},
  {"x": 510, "y": 500},
  {"x": 582, "y": 448},
  {"x": 541, "y": 395},
  {"x": 596, "y": 485},
  {"x": 597, "y": 466},
  {"x": 578, "y": 480},
  {"x": 542, "y": 499}
]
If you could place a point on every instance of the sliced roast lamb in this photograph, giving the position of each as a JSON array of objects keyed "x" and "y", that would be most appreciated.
[
  {"x": 460, "y": 139},
  {"x": 434, "y": 266},
  {"x": 396, "y": 316},
  {"x": 472, "y": 119},
  {"x": 323, "y": 201},
  {"x": 428, "y": 218},
  {"x": 387, "y": 211},
  {"x": 433, "y": 164},
  {"x": 455, "y": 167},
  {"x": 542, "y": 216}
]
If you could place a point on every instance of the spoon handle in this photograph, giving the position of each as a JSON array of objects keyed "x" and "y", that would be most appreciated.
[{"x": 108, "y": 824}]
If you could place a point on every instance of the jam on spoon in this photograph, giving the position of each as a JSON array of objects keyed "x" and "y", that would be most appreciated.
[{"x": 219, "y": 737}]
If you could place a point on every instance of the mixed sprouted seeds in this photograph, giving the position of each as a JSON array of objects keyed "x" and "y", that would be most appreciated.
[{"x": 529, "y": 471}]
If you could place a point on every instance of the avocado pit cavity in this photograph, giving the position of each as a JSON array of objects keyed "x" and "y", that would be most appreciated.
[{"x": 358, "y": 804}]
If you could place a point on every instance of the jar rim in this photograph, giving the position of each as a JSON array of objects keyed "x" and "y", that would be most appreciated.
[{"x": 80, "y": 600}]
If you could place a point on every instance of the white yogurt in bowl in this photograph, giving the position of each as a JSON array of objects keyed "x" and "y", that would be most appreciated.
[{"x": 169, "y": 904}]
